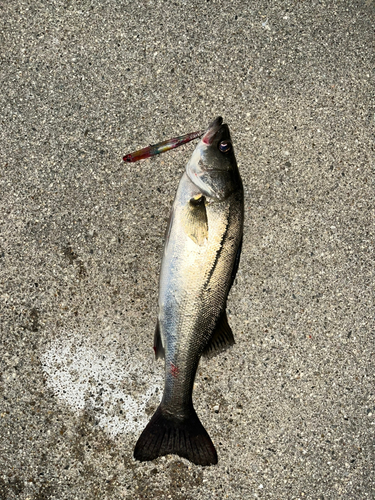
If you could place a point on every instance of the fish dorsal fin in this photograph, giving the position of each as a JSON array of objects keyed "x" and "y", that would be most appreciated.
[
  {"x": 236, "y": 264},
  {"x": 158, "y": 345},
  {"x": 195, "y": 220},
  {"x": 222, "y": 337}
]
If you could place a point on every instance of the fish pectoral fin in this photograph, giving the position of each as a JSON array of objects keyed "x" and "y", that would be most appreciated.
[
  {"x": 158, "y": 344},
  {"x": 195, "y": 219},
  {"x": 222, "y": 336}
]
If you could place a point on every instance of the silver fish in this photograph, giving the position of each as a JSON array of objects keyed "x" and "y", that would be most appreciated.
[{"x": 200, "y": 261}]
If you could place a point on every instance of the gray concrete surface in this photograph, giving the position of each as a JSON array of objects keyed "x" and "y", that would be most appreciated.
[{"x": 291, "y": 407}]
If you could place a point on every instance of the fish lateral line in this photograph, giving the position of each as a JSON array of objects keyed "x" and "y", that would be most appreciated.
[{"x": 162, "y": 147}]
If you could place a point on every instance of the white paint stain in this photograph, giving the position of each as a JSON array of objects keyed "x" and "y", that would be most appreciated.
[{"x": 117, "y": 391}]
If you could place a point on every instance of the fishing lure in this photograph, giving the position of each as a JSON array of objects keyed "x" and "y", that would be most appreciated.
[{"x": 162, "y": 147}]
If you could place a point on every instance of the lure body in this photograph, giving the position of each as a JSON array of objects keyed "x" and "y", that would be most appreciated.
[{"x": 162, "y": 147}]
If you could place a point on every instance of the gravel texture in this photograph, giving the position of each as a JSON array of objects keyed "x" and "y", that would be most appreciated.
[{"x": 291, "y": 407}]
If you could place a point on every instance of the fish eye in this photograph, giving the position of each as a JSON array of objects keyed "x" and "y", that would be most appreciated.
[{"x": 225, "y": 146}]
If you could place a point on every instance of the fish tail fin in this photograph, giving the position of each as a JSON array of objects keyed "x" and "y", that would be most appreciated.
[{"x": 167, "y": 434}]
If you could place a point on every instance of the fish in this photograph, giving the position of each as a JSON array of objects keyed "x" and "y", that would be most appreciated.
[
  {"x": 162, "y": 147},
  {"x": 200, "y": 260}
]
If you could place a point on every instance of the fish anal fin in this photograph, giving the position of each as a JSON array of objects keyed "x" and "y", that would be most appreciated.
[
  {"x": 222, "y": 336},
  {"x": 158, "y": 344},
  {"x": 166, "y": 434},
  {"x": 195, "y": 221}
]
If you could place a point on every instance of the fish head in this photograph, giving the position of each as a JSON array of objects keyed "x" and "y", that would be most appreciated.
[{"x": 213, "y": 167}]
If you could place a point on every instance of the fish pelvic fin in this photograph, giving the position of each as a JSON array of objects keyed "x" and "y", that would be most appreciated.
[
  {"x": 222, "y": 337},
  {"x": 166, "y": 434}
]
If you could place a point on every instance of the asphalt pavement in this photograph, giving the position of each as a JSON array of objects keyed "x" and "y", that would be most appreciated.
[{"x": 291, "y": 406}]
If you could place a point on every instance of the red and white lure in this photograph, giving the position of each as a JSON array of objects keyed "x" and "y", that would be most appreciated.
[{"x": 162, "y": 147}]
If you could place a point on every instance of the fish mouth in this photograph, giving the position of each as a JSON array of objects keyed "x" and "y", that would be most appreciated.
[{"x": 212, "y": 130}]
